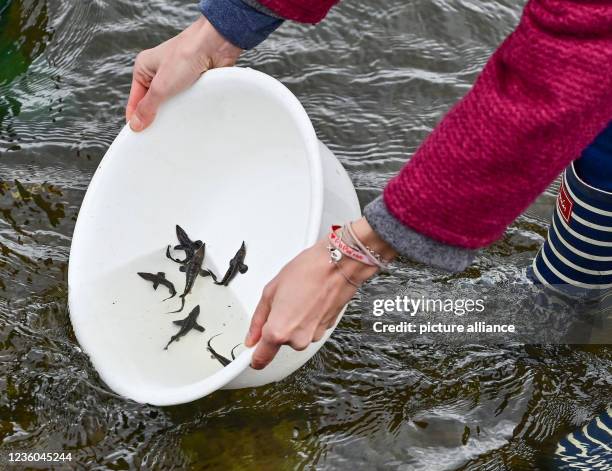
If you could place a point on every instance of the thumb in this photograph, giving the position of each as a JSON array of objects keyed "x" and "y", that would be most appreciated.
[
  {"x": 147, "y": 108},
  {"x": 262, "y": 311}
]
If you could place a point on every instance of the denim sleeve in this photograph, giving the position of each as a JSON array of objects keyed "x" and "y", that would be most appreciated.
[{"x": 238, "y": 22}]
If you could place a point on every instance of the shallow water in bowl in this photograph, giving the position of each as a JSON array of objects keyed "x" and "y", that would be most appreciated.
[
  {"x": 128, "y": 325},
  {"x": 374, "y": 77}
]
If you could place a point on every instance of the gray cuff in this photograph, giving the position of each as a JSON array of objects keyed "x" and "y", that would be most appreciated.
[{"x": 413, "y": 245}]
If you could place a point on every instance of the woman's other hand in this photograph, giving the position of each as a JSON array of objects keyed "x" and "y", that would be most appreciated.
[
  {"x": 165, "y": 70},
  {"x": 305, "y": 298}
]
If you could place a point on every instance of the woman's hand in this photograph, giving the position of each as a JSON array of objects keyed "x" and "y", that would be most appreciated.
[
  {"x": 305, "y": 298},
  {"x": 173, "y": 66}
]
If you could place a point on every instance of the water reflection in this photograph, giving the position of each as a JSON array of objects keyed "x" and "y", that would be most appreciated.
[{"x": 24, "y": 35}]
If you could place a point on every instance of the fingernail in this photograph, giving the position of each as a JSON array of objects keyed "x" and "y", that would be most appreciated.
[
  {"x": 247, "y": 340},
  {"x": 135, "y": 123}
]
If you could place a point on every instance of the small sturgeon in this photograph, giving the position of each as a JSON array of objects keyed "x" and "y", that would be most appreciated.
[
  {"x": 224, "y": 361},
  {"x": 159, "y": 279},
  {"x": 186, "y": 325},
  {"x": 236, "y": 265},
  {"x": 185, "y": 244},
  {"x": 192, "y": 269}
]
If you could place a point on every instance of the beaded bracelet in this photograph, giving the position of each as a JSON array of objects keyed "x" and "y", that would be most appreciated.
[{"x": 339, "y": 247}]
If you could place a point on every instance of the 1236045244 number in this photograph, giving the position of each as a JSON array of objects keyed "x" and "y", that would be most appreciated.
[{"x": 39, "y": 456}]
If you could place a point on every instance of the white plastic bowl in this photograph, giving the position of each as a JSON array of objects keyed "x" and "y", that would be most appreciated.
[{"x": 233, "y": 158}]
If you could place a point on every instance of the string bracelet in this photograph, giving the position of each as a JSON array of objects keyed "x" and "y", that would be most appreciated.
[
  {"x": 348, "y": 279},
  {"x": 374, "y": 257}
]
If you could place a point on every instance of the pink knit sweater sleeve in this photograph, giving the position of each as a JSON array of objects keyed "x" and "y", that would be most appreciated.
[
  {"x": 304, "y": 11},
  {"x": 542, "y": 97}
]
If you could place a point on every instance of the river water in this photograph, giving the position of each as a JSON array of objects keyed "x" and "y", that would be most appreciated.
[{"x": 375, "y": 77}]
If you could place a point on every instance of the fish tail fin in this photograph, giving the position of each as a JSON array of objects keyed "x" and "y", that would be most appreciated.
[
  {"x": 208, "y": 272},
  {"x": 232, "y": 352},
  {"x": 182, "y": 306},
  {"x": 216, "y": 335}
]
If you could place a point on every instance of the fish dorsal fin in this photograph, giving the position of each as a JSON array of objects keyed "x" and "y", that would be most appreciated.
[{"x": 242, "y": 268}]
